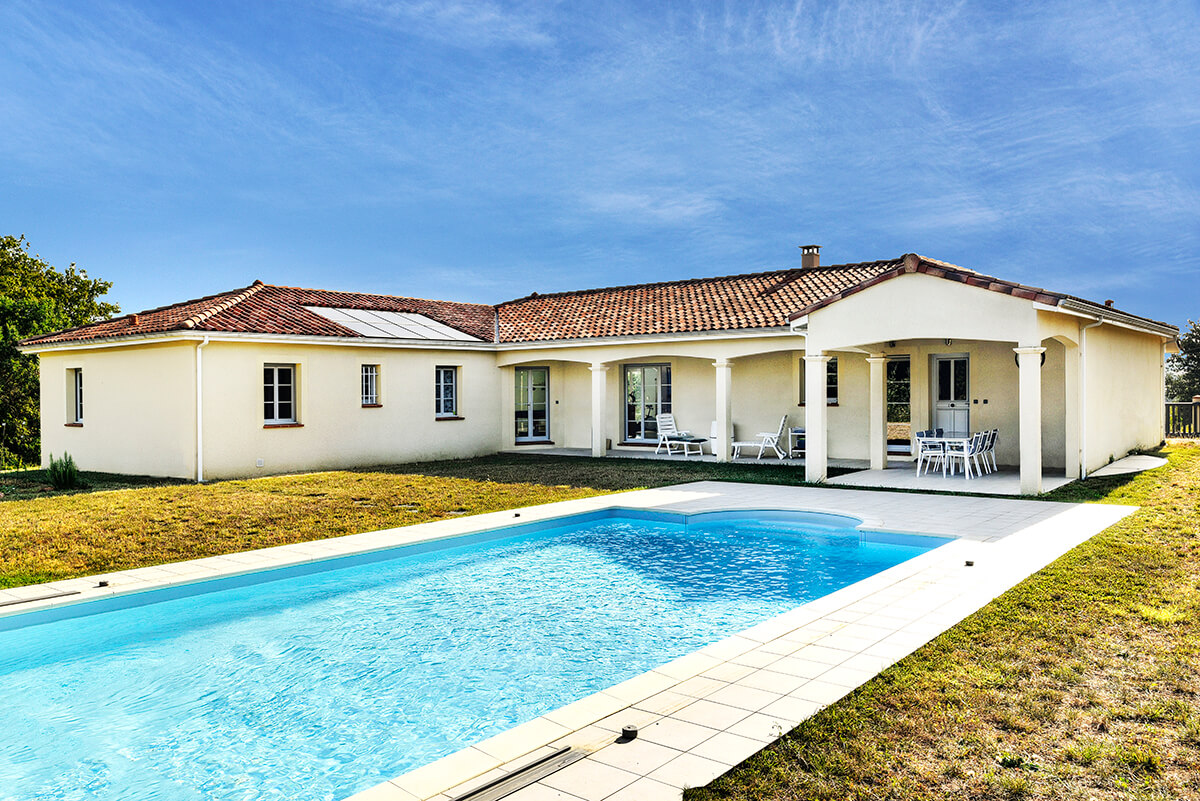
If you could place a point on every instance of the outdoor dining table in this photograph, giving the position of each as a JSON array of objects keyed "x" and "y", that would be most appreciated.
[{"x": 963, "y": 440}]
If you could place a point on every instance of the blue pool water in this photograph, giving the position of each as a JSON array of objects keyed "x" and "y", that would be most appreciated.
[{"x": 319, "y": 681}]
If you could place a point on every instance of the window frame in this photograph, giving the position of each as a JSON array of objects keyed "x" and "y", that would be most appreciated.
[
  {"x": 76, "y": 396},
  {"x": 275, "y": 419},
  {"x": 369, "y": 386},
  {"x": 646, "y": 426},
  {"x": 832, "y": 381},
  {"x": 441, "y": 409}
]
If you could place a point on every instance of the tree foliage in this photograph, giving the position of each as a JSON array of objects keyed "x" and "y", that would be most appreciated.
[
  {"x": 1183, "y": 368},
  {"x": 35, "y": 298}
]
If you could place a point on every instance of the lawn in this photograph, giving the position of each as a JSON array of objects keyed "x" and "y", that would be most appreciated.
[
  {"x": 120, "y": 522},
  {"x": 1082, "y": 682}
]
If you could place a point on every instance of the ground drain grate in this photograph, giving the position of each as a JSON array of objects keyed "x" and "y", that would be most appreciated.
[
  {"x": 505, "y": 786},
  {"x": 39, "y": 598}
]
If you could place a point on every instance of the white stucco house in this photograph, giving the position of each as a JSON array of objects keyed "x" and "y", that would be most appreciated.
[{"x": 275, "y": 379}]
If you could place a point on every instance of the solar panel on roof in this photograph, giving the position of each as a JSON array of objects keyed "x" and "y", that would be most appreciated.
[{"x": 392, "y": 325}]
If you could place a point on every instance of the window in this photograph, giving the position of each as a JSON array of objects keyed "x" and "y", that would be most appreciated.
[
  {"x": 831, "y": 382},
  {"x": 647, "y": 395},
  {"x": 532, "y": 404},
  {"x": 445, "y": 396},
  {"x": 75, "y": 395},
  {"x": 899, "y": 409},
  {"x": 279, "y": 394},
  {"x": 370, "y": 385}
]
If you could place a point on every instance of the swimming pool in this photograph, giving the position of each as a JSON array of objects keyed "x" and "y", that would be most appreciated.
[{"x": 323, "y": 679}]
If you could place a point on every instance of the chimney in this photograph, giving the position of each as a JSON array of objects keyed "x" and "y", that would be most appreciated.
[{"x": 810, "y": 257}]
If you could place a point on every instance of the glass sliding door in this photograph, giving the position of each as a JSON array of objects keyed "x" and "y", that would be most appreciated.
[
  {"x": 647, "y": 395},
  {"x": 899, "y": 404},
  {"x": 532, "y": 404}
]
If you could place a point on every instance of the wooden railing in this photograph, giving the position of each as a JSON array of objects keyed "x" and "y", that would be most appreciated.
[{"x": 1183, "y": 419}]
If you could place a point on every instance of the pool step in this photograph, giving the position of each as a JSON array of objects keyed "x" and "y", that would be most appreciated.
[{"x": 505, "y": 786}]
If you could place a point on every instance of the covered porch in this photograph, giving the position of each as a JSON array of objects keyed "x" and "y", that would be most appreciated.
[{"x": 973, "y": 361}]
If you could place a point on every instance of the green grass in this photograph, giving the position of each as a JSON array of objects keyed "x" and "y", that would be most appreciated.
[
  {"x": 47, "y": 535},
  {"x": 1089, "y": 670}
]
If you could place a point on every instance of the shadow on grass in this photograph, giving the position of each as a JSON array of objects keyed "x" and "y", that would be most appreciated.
[
  {"x": 602, "y": 473},
  {"x": 23, "y": 485}
]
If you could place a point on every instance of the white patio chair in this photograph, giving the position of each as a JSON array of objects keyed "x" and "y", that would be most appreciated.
[
  {"x": 977, "y": 450},
  {"x": 959, "y": 450},
  {"x": 931, "y": 454},
  {"x": 766, "y": 439},
  {"x": 670, "y": 437},
  {"x": 991, "y": 448}
]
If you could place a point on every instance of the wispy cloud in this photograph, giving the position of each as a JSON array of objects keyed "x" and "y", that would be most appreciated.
[
  {"x": 497, "y": 144},
  {"x": 465, "y": 24}
]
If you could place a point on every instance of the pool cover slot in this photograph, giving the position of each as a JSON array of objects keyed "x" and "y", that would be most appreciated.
[
  {"x": 46, "y": 597},
  {"x": 506, "y": 785}
]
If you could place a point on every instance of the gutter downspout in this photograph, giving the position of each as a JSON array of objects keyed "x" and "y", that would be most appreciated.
[
  {"x": 200, "y": 411},
  {"x": 1083, "y": 434}
]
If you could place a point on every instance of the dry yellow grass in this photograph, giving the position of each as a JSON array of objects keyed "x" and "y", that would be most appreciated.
[{"x": 59, "y": 537}]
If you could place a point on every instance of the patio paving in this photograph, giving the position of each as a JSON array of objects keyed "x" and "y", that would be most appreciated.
[
  {"x": 648, "y": 453},
  {"x": 900, "y": 473},
  {"x": 903, "y": 475}
]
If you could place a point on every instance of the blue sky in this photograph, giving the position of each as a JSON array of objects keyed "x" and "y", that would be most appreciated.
[{"x": 481, "y": 151}]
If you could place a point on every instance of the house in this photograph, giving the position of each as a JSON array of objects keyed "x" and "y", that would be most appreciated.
[{"x": 268, "y": 379}]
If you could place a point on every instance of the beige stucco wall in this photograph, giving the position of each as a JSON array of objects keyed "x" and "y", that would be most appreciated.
[
  {"x": 1123, "y": 393},
  {"x": 336, "y": 431},
  {"x": 138, "y": 406},
  {"x": 916, "y": 307}
]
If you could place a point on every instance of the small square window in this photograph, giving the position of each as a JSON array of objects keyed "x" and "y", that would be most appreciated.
[
  {"x": 279, "y": 394},
  {"x": 445, "y": 392}
]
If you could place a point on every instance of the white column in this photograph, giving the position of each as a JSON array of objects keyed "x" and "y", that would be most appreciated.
[
  {"x": 877, "y": 433},
  {"x": 599, "y": 395},
  {"x": 1073, "y": 422},
  {"x": 815, "y": 441},
  {"x": 724, "y": 410},
  {"x": 1030, "y": 400}
]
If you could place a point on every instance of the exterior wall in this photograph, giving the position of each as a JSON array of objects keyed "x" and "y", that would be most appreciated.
[
  {"x": 915, "y": 307},
  {"x": 138, "y": 409},
  {"x": 1122, "y": 393},
  {"x": 763, "y": 384},
  {"x": 335, "y": 430}
]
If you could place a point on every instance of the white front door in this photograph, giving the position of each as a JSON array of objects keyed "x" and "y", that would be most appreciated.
[{"x": 952, "y": 407}]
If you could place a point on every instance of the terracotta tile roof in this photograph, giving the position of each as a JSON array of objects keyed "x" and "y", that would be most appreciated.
[
  {"x": 736, "y": 302},
  {"x": 264, "y": 309},
  {"x": 729, "y": 303},
  {"x": 914, "y": 263}
]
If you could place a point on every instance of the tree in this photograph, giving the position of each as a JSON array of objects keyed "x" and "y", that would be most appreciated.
[
  {"x": 35, "y": 298},
  {"x": 1183, "y": 368}
]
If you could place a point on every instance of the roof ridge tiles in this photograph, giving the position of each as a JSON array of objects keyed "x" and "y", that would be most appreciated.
[
  {"x": 196, "y": 319},
  {"x": 786, "y": 271},
  {"x": 374, "y": 295}
]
